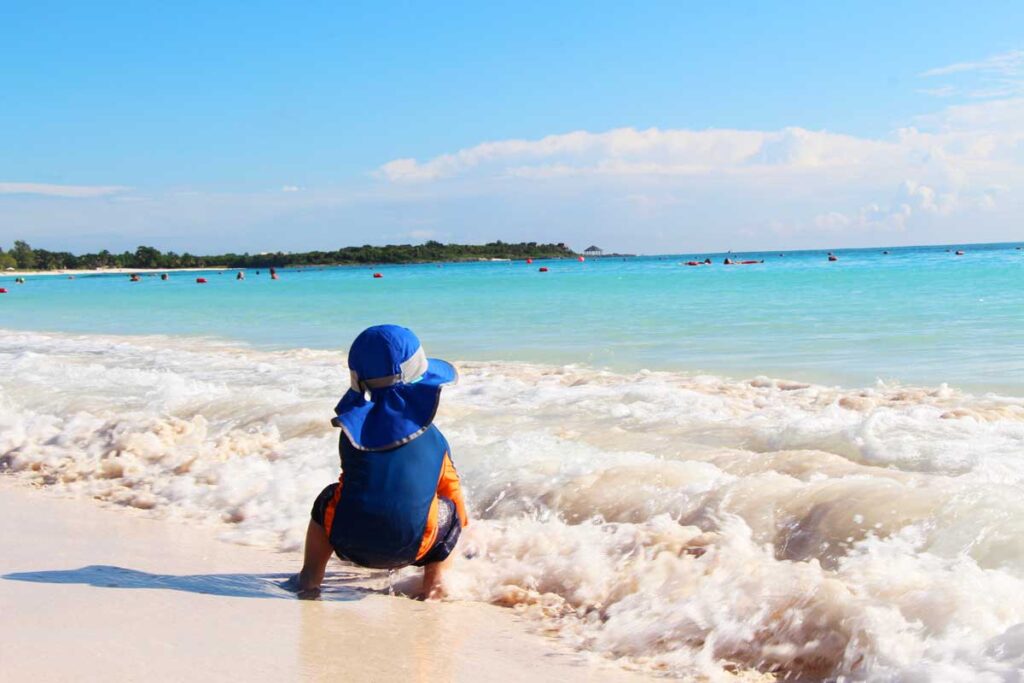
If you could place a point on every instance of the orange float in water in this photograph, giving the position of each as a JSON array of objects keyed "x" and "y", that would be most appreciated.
[
  {"x": 542, "y": 269},
  {"x": 378, "y": 275},
  {"x": 529, "y": 261},
  {"x": 201, "y": 280},
  {"x": 582, "y": 259}
]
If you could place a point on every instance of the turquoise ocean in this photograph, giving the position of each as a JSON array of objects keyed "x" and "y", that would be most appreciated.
[
  {"x": 917, "y": 315},
  {"x": 795, "y": 470}
]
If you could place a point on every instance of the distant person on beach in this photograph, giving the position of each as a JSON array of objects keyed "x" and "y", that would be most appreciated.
[{"x": 398, "y": 501}]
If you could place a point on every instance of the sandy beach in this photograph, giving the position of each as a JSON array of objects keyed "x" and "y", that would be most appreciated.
[
  {"x": 107, "y": 271},
  {"x": 95, "y": 593}
]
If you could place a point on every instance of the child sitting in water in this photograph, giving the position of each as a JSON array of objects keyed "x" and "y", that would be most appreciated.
[{"x": 398, "y": 500}]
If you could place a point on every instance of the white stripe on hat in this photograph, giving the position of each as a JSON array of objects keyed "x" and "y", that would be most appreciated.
[{"x": 409, "y": 370}]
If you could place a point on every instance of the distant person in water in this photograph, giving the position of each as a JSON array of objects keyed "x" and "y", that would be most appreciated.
[{"x": 398, "y": 501}]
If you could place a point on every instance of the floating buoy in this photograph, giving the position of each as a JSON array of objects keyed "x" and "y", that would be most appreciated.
[
  {"x": 542, "y": 269},
  {"x": 959, "y": 252},
  {"x": 582, "y": 259},
  {"x": 833, "y": 257},
  {"x": 3, "y": 290},
  {"x": 529, "y": 261},
  {"x": 201, "y": 280},
  {"x": 378, "y": 275}
]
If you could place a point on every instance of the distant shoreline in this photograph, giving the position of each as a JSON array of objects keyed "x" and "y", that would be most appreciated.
[
  {"x": 206, "y": 269},
  {"x": 119, "y": 270},
  {"x": 23, "y": 258},
  {"x": 111, "y": 271}
]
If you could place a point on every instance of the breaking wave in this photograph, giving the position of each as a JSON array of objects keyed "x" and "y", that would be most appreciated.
[{"x": 693, "y": 525}]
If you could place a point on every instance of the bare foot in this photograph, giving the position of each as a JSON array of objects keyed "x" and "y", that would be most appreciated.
[
  {"x": 294, "y": 585},
  {"x": 433, "y": 586}
]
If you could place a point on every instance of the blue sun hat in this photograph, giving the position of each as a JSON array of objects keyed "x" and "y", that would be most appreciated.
[{"x": 395, "y": 389}]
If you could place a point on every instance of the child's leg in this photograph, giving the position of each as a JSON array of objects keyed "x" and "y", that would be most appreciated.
[
  {"x": 433, "y": 579},
  {"x": 317, "y": 553}
]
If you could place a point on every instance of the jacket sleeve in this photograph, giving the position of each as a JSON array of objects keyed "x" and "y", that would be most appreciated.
[{"x": 449, "y": 487}]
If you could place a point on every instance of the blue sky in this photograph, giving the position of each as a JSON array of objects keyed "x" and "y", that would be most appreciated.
[{"x": 645, "y": 126}]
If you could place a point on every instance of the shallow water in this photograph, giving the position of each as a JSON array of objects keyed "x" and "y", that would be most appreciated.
[
  {"x": 918, "y": 315},
  {"x": 681, "y": 522}
]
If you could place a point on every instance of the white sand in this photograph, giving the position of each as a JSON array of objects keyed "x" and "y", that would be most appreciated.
[
  {"x": 110, "y": 271},
  {"x": 164, "y": 628}
]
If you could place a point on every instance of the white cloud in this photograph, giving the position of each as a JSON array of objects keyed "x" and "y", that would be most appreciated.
[
  {"x": 968, "y": 137},
  {"x": 629, "y": 152},
  {"x": 290, "y": 188},
  {"x": 873, "y": 217},
  {"x": 1001, "y": 75},
  {"x": 1006, "y": 63},
  {"x": 961, "y": 160},
  {"x": 77, "y": 191}
]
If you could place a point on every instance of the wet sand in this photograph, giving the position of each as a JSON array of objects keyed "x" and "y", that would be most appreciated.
[{"x": 95, "y": 593}]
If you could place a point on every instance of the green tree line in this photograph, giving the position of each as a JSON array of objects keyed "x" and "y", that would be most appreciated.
[{"x": 23, "y": 257}]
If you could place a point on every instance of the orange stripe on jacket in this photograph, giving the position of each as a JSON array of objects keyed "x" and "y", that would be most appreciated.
[
  {"x": 331, "y": 505},
  {"x": 448, "y": 486}
]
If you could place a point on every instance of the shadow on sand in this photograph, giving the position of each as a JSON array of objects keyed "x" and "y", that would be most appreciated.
[{"x": 335, "y": 586}]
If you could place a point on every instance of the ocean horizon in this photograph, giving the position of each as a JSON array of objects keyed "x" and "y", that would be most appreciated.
[{"x": 915, "y": 315}]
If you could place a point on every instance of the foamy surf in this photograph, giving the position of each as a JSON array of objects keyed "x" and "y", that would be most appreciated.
[{"x": 693, "y": 525}]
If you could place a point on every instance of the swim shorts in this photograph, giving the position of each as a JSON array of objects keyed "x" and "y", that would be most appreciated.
[{"x": 448, "y": 526}]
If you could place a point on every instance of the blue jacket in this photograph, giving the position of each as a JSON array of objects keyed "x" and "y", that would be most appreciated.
[{"x": 387, "y": 500}]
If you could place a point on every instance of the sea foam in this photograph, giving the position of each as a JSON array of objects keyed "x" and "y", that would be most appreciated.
[{"x": 695, "y": 525}]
